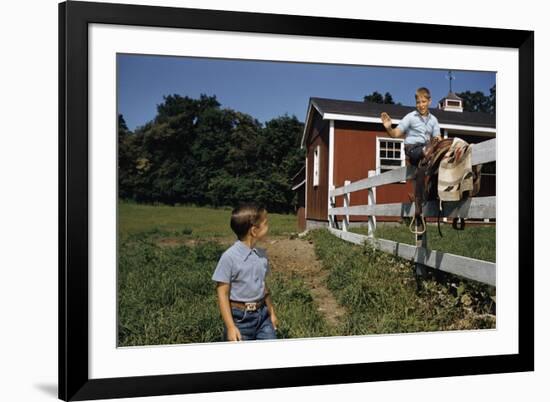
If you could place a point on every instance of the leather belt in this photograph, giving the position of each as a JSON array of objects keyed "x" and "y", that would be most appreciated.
[{"x": 248, "y": 306}]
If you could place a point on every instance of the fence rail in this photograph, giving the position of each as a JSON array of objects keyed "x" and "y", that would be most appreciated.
[
  {"x": 481, "y": 153},
  {"x": 471, "y": 208},
  {"x": 477, "y": 270}
]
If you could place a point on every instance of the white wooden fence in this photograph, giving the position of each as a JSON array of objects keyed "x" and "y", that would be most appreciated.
[{"x": 473, "y": 208}]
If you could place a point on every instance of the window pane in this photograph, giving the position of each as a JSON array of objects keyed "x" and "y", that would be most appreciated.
[{"x": 390, "y": 154}]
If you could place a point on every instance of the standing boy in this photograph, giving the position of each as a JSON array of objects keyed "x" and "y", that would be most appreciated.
[{"x": 243, "y": 297}]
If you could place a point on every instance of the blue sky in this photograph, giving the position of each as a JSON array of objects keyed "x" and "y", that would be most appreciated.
[{"x": 267, "y": 89}]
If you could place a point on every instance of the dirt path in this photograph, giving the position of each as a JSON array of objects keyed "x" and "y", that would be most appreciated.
[
  {"x": 291, "y": 257},
  {"x": 297, "y": 256}
]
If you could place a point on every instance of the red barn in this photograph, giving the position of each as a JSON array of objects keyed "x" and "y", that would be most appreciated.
[{"x": 344, "y": 140}]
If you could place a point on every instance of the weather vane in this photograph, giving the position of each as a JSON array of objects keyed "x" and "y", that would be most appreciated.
[{"x": 450, "y": 77}]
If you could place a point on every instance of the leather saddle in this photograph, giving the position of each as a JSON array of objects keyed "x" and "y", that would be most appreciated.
[{"x": 426, "y": 182}]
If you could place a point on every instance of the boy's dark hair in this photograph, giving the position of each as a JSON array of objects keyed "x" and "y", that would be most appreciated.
[
  {"x": 423, "y": 91},
  {"x": 244, "y": 217}
]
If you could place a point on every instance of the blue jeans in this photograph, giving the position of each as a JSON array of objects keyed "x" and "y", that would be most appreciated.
[
  {"x": 415, "y": 152},
  {"x": 253, "y": 325}
]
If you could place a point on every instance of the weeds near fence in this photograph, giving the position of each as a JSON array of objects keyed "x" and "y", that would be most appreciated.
[{"x": 379, "y": 292}]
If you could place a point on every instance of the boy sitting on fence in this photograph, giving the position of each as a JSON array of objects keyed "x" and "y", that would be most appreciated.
[
  {"x": 419, "y": 128},
  {"x": 243, "y": 297}
]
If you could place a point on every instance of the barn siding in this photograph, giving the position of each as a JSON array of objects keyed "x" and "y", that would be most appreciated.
[{"x": 354, "y": 156}]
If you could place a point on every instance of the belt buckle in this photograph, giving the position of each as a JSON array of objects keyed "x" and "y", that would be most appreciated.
[{"x": 250, "y": 306}]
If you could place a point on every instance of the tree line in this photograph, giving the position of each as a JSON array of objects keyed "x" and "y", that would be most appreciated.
[
  {"x": 195, "y": 152},
  {"x": 471, "y": 101}
]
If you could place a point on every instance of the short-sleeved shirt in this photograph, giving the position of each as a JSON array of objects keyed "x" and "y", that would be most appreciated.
[
  {"x": 419, "y": 129},
  {"x": 245, "y": 270}
]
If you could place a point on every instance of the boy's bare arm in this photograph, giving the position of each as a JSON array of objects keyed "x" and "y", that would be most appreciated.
[
  {"x": 222, "y": 290},
  {"x": 386, "y": 121},
  {"x": 269, "y": 304}
]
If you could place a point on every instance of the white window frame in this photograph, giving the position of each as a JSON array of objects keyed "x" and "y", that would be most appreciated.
[
  {"x": 401, "y": 142},
  {"x": 316, "y": 165}
]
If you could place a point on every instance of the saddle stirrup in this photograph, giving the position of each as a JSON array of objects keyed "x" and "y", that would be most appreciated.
[{"x": 413, "y": 221}]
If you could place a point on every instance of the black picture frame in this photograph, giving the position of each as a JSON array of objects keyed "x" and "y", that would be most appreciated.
[{"x": 74, "y": 381}]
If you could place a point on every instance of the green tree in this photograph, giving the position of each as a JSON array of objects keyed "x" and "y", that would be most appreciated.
[
  {"x": 388, "y": 99},
  {"x": 282, "y": 157},
  {"x": 194, "y": 151},
  {"x": 125, "y": 158},
  {"x": 479, "y": 102},
  {"x": 493, "y": 99},
  {"x": 376, "y": 97}
]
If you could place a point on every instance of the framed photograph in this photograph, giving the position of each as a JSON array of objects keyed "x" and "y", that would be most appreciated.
[{"x": 234, "y": 200}]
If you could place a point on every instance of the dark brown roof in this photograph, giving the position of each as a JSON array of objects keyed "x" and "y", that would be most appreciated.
[{"x": 369, "y": 109}]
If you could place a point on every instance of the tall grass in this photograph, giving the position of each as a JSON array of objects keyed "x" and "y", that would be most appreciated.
[
  {"x": 296, "y": 310},
  {"x": 166, "y": 295}
]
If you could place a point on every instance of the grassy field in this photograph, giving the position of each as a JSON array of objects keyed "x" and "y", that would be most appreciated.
[
  {"x": 474, "y": 241},
  {"x": 200, "y": 222},
  {"x": 166, "y": 296}
]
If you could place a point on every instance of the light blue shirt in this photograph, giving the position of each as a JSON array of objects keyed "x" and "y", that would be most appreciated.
[
  {"x": 245, "y": 270},
  {"x": 419, "y": 129}
]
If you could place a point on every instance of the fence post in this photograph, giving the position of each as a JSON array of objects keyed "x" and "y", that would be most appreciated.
[
  {"x": 372, "y": 201},
  {"x": 346, "y": 205}
]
